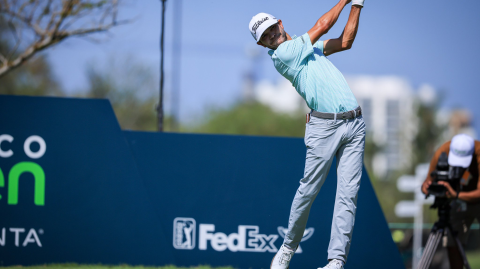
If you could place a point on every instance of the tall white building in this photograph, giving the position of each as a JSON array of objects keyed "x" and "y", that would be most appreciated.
[
  {"x": 281, "y": 97},
  {"x": 389, "y": 113},
  {"x": 388, "y": 104}
]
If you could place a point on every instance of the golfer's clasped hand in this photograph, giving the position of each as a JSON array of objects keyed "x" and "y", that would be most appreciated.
[{"x": 357, "y": 2}]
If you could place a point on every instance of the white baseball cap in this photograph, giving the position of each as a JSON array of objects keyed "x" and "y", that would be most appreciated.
[
  {"x": 461, "y": 151},
  {"x": 260, "y": 23}
]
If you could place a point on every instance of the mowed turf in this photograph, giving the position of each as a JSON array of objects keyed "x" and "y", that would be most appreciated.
[
  {"x": 101, "y": 266},
  {"x": 474, "y": 259}
]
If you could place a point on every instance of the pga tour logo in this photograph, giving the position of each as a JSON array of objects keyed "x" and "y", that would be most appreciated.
[
  {"x": 247, "y": 239},
  {"x": 184, "y": 233}
]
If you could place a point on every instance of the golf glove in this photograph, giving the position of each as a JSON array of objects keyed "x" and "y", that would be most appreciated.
[{"x": 357, "y": 2}]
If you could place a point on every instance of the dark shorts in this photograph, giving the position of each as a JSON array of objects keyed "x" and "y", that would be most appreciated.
[{"x": 461, "y": 218}]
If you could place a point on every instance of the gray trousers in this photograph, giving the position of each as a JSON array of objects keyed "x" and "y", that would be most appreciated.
[{"x": 325, "y": 139}]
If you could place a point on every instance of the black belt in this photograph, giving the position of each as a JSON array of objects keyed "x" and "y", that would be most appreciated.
[{"x": 340, "y": 116}]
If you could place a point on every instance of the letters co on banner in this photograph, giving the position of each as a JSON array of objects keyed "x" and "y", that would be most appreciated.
[
  {"x": 12, "y": 177},
  {"x": 247, "y": 238}
]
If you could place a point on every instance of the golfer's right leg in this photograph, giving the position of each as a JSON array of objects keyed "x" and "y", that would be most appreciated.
[{"x": 322, "y": 142}]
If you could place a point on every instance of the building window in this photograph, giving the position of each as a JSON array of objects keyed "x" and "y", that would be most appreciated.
[
  {"x": 367, "y": 113},
  {"x": 392, "y": 149}
]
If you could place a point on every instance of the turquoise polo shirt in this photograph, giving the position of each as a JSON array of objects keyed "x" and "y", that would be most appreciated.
[{"x": 314, "y": 77}]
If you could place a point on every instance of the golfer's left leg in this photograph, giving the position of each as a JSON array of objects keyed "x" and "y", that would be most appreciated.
[{"x": 349, "y": 173}]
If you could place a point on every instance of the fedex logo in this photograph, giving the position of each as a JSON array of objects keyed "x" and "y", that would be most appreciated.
[{"x": 248, "y": 238}]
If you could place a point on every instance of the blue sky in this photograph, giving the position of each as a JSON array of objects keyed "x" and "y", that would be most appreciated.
[{"x": 434, "y": 42}]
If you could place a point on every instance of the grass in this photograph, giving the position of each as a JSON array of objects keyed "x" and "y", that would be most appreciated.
[
  {"x": 101, "y": 266},
  {"x": 474, "y": 259}
]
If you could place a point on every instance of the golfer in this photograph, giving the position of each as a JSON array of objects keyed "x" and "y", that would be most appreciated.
[{"x": 336, "y": 126}]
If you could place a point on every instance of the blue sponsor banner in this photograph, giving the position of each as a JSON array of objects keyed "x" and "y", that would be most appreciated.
[
  {"x": 76, "y": 188},
  {"x": 95, "y": 208},
  {"x": 232, "y": 196}
]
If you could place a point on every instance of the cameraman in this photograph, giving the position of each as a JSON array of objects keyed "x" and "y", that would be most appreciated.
[{"x": 464, "y": 152}]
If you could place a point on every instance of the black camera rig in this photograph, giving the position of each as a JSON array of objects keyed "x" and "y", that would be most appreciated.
[
  {"x": 444, "y": 172},
  {"x": 452, "y": 175}
]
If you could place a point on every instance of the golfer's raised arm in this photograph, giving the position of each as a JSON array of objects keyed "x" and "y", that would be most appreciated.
[
  {"x": 345, "y": 41},
  {"x": 327, "y": 21}
]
